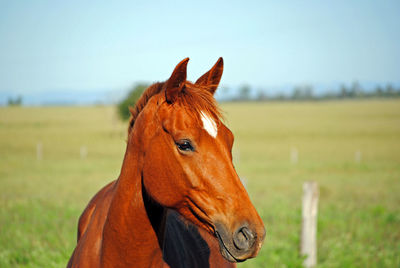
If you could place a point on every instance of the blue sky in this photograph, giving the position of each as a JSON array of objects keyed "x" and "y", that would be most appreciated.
[{"x": 97, "y": 45}]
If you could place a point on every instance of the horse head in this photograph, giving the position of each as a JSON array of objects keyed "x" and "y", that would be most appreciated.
[{"x": 187, "y": 162}]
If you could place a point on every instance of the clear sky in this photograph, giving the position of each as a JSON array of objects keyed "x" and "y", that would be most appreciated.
[{"x": 91, "y": 45}]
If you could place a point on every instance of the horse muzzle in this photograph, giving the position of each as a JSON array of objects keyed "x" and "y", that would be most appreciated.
[{"x": 240, "y": 245}]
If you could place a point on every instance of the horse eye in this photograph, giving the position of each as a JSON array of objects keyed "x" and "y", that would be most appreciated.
[{"x": 184, "y": 145}]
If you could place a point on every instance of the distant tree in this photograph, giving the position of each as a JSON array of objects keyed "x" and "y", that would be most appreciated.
[
  {"x": 261, "y": 95},
  {"x": 344, "y": 93},
  {"x": 379, "y": 91},
  {"x": 389, "y": 91},
  {"x": 130, "y": 100},
  {"x": 280, "y": 96},
  {"x": 304, "y": 92},
  {"x": 330, "y": 94},
  {"x": 244, "y": 92},
  {"x": 356, "y": 90},
  {"x": 308, "y": 92},
  {"x": 297, "y": 93},
  {"x": 14, "y": 102}
]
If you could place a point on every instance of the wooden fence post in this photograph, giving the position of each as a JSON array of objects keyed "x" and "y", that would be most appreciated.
[
  {"x": 308, "y": 246},
  {"x": 357, "y": 157},
  {"x": 39, "y": 151},
  {"x": 83, "y": 152},
  {"x": 294, "y": 156}
]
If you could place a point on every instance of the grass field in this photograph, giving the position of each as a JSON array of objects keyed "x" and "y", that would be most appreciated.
[{"x": 359, "y": 209}]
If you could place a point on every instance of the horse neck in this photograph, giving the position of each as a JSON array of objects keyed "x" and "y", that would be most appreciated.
[{"x": 134, "y": 224}]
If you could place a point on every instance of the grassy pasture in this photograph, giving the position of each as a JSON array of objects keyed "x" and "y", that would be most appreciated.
[{"x": 359, "y": 209}]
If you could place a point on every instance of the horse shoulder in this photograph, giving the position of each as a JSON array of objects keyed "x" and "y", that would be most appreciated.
[{"x": 90, "y": 228}]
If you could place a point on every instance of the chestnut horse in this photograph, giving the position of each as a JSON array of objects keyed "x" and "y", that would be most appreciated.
[{"x": 178, "y": 201}]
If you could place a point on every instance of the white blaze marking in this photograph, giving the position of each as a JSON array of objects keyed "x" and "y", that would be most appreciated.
[{"x": 209, "y": 125}]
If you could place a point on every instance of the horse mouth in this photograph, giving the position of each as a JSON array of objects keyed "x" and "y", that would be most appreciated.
[{"x": 225, "y": 251}]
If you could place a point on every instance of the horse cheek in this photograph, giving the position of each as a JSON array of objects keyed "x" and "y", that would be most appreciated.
[{"x": 159, "y": 173}]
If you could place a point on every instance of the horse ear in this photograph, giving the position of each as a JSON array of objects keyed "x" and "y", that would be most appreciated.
[
  {"x": 176, "y": 82},
  {"x": 211, "y": 78}
]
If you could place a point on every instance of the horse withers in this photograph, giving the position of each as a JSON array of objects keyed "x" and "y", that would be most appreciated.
[{"x": 178, "y": 201}]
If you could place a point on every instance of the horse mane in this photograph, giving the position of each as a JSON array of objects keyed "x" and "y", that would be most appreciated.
[
  {"x": 141, "y": 103},
  {"x": 196, "y": 98}
]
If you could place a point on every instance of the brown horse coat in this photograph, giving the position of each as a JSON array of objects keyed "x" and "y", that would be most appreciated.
[{"x": 178, "y": 201}]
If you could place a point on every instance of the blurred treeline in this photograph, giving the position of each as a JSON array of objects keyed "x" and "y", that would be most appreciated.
[
  {"x": 298, "y": 93},
  {"x": 17, "y": 101},
  {"x": 307, "y": 92}
]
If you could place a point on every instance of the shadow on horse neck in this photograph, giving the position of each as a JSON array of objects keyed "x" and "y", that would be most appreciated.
[
  {"x": 178, "y": 201},
  {"x": 180, "y": 242}
]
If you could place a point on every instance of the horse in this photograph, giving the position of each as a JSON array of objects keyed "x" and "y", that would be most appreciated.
[{"x": 178, "y": 201}]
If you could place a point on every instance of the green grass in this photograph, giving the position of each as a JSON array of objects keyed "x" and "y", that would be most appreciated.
[{"x": 359, "y": 209}]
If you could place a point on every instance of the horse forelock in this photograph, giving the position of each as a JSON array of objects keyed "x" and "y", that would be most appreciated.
[
  {"x": 196, "y": 99},
  {"x": 199, "y": 101}
]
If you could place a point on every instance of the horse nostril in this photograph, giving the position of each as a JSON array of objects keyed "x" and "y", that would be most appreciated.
[{"x": 243, "y": 239}]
